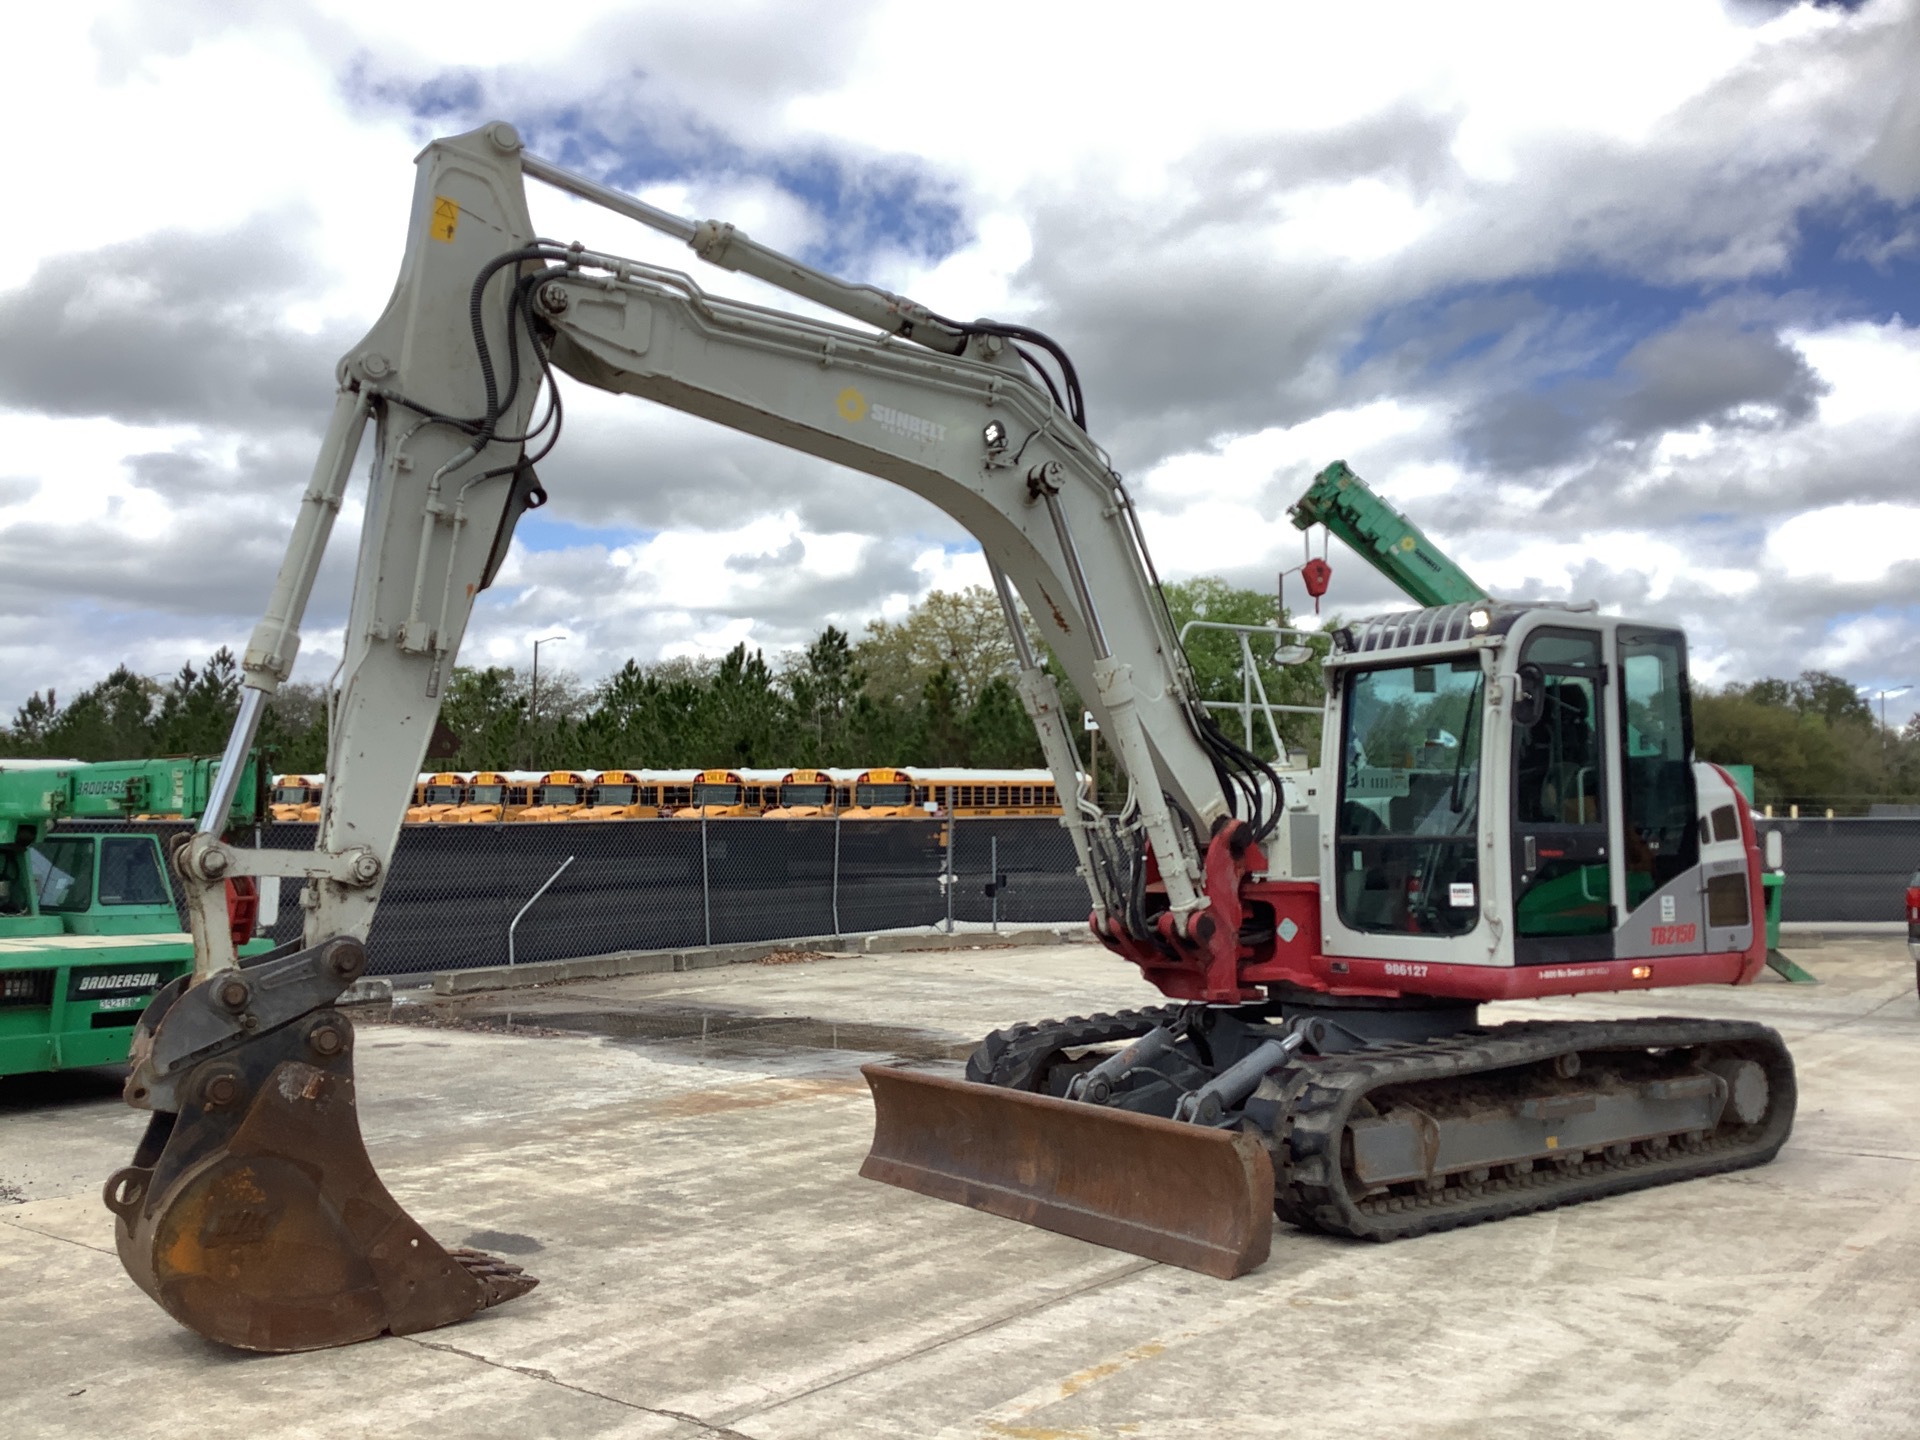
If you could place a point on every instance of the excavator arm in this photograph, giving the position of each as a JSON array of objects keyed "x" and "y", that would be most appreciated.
[
  {"x": 251, "y": 1212},
  {"x": 451, "y": 376}
]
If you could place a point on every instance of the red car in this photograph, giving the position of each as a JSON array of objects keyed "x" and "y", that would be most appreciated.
[{"x": 1913, "y": 923}]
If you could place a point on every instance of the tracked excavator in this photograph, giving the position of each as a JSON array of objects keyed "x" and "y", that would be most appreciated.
[{"x": 1505, "y": 807}]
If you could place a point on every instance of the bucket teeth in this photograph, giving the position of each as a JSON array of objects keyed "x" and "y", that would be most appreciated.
[{"x": 501, "y": 1279}]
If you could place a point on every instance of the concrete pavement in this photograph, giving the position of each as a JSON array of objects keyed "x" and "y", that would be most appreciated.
[{"x": 713, "y": 1266}]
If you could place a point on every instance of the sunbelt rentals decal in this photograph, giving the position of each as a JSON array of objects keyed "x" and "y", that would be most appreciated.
[{"x": 855, "y": 408}]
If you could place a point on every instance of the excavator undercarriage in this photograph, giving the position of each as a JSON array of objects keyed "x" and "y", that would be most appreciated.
[{"x": 1174, "y": 1132}]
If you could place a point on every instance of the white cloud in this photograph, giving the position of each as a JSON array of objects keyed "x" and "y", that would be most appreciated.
[
  {"x": 1216, "y": 210},
  {"x": 1853, "y": 544}
]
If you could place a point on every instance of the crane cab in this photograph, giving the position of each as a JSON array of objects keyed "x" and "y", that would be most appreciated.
[{"x": 1515, "y": 810}]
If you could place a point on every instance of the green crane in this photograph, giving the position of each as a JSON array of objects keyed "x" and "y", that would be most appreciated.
[
  {"x": 88, "y": 927},
  {"x": 1386, "y": 539}
]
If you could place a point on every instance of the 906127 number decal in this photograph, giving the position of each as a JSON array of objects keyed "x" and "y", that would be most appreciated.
[{"x": 1402, "y": 967}]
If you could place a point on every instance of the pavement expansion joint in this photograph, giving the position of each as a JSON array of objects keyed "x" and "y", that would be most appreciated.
[
  {"x": 53, "y": 1235},
  {"x": 1844, "y": 1021},
  {"x": 982, "y": 1327},
  {"x": 1856, "y": 1154},
  {"x": 533, "y": 1372}
]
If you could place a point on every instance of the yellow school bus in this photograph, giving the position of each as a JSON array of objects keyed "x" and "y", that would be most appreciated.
[
  {"x": 296, "y": 797},
  {"x": 810, "y": 795},
  {"x": 621, "y": 795},
  {"x": 883, "y": 795},
  {"x": 721, "y": 794},
  {"x": 987, "y": 792},
  {"x": 435, "y": 796},
  {"x": 558, "y": 795},
  {"x": 492, "y": 795}
]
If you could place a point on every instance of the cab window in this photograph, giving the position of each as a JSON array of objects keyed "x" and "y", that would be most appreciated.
[
  {"x": 1656, "y": 760},
  {"x": 1559, "y": 763},
  {"x": 63, "y": 874},
  {"x": 1409, "y": 812},
  {"x": 130, "y": 872}
]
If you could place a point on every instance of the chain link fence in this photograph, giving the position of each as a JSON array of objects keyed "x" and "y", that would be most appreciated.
[
  {"x": 470, "y": 895},
  {"x": 1847, "y": 869}
]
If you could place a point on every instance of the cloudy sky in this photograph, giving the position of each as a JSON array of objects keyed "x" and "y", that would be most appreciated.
[{"x": 1619, "y": 301}]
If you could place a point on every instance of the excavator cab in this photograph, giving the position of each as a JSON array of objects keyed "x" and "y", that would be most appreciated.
[{"x": 1516, "y": 790}]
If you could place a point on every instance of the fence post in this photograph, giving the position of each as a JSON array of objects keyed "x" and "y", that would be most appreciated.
[
  {"x": 993, "y": 879},
  {"x": 836, "y": 872},
  {"x": 952, "y": 835},
  {"x": 706, "y": 886}
]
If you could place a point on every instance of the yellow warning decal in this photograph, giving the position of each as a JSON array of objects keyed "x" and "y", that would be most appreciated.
[
  {"x": 446, "y": 216},
  {"x": 853, "y": 405}
]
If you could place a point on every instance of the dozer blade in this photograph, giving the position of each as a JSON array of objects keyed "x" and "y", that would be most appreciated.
[
  {"x": 1183, "y": 1194},
  {"x": 252, "y": 1212}
]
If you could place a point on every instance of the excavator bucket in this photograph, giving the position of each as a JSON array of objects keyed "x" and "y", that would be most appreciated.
[
  {"x": 1182, "y": 1194},
  {"x": 252, "y": 1212}
]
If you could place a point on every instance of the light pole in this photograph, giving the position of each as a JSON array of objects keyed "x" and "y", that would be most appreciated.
[
  {"x": 533, "y": 691},
  {"x": 1882, "y": 696}
]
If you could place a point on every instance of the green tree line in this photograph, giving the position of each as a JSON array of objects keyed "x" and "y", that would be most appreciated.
[
  {"x": 932, "y": 688},
  {"x": 935, "y": 687},
  {"x": 1814, "y": 741}
]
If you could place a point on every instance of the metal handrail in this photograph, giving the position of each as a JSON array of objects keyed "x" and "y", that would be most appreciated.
[
  {"x": 515, "y": 925},
  {"x": 1251, "y": 683}
]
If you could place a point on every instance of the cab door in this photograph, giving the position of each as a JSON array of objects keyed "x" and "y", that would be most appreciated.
[{"x": 1562, "y": 886}]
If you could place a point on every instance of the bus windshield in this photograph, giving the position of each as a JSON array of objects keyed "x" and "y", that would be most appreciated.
[
  {"x": 716, "y": 795},
  {"x": 614, "y": 795},
  {"x": 803, "y": 794},
  {"x": 559, "y": 795},
  {"x": 290, "y": 795},
  {"x": 879, "y": 796},
  {"x": 442, "y": 795},
  {"x": 485, "y": 794}
]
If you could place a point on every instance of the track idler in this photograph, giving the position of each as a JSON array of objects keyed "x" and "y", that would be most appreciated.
[{"x": 251, "y": 1211}]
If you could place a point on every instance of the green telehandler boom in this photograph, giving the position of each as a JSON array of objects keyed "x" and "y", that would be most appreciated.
[
  {"x": 88, "y": 926},
  {"x": 1384, "y": 538}
]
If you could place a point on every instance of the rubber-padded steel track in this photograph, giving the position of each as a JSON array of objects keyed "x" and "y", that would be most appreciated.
[
  {"x": 1016, "y": 1058},
  {"x": 1319, "y": 1096},
  {"x": 1313, "y": 1189}
]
